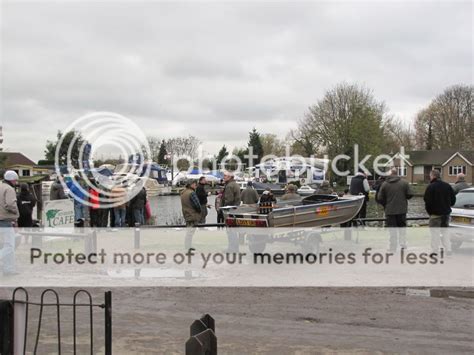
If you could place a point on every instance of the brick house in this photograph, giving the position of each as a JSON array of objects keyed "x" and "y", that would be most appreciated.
[
  {"x": 417, "y": 164},
  {"x": 18, "y": 162}
]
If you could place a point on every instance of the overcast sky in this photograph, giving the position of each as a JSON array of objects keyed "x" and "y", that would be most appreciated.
[{"x": 215, "y": 70}]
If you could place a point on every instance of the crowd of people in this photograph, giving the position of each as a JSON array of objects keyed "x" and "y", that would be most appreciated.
[
  {"x": 125, "y": 213},
  {"x": 392, "y": 195}
]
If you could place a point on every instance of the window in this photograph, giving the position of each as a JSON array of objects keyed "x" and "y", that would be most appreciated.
[
  {"x": 25, "y": 172},
  {"x": 402, "y": 170},
  {"x": 419, "y": 170},
  {"x": 456, "y": 169}
]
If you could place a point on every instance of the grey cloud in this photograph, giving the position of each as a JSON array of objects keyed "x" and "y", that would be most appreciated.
[{"x": 215, "y": 70}]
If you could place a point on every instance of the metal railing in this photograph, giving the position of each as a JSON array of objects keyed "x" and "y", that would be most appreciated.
[{"x": 20, "y": 322}]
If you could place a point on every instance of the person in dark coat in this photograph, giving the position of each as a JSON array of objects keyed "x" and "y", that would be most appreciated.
[
  {"x": 202, "y": 196},
  {"x": 267, "y": 197},
  {"x": 26, "y": 202},
  {"x": 393, "y": 195},
  {"x": 360, "y": 186},
  {"x": 439, "y": 197},
  {"x": 137, "y": 205},
  {"x": 380, "y": 209}
]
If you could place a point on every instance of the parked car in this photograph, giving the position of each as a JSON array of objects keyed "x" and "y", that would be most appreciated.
[
  {"x": 305, "y": 190},
  {"x": 462, "y": 216}
]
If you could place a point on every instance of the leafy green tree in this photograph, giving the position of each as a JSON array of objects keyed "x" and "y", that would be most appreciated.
[
  {"x": 271, "y": 144},
  {"x": 51, "y": 147},
  {"x": 162, "y": 154},
  {"x": 221, "y": 155},
  {"x": 255, "y": 141},
  {"x": 347, "y": 115}
]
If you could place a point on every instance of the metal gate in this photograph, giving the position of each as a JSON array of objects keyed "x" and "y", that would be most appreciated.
[{"x": 14, "y": 316}]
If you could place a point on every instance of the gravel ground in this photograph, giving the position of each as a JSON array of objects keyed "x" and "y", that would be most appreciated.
[{"x": 270, "y": 321}]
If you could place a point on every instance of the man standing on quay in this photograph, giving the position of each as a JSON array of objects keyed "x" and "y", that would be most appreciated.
[
  {"x": 8, "y": 215},
  {"x": 191, "y": 208},
  {"x": 393, "y": 195},
  {"x": 439, "y": 197},
  {"x": 360, "y": 185},
  {"x": 231, "y": 197},
  {"x": 202, "y": 196}
]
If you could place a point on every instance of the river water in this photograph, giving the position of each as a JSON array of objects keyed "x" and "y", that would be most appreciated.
[{"x": 167, "y": 209}]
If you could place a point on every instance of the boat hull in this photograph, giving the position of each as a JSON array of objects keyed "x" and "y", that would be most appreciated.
[{"x": 317, "y": 213}]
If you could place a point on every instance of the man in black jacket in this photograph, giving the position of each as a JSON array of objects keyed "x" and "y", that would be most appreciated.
[
  {"x": 439, "y": 197},
  {"x": 360, "y": 185},
  {"x": 202, "y": 196},
  {"x": 137, "y": 205}
]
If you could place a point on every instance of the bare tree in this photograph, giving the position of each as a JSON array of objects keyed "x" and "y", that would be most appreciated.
[
  {"x": 399, "y": 134},
  {"x": 183, "y": 146},
  {"x": 447, "y": 123},
  {"x": 154, "y": 144},
  {"x": 271, "y": 144}
]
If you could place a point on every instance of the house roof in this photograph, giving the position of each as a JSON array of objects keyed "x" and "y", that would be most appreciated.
[
  {"x": 15, "y": 158},
  {"x": 437, "y": 157},
  {"x": 460, "y": 155}
]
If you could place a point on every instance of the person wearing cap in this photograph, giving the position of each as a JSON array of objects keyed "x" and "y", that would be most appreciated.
[
  {"x": 249, "y": 196},
  {"x": 360, "y": 186},
  {"x": 267, "y": 196},
  {"x": 290, "y": 193},
  {"x": 460, "y": 183},
  {"x": 190, "y": 204},
  {"x": 8, "y": 216},
  {"x": 191, "y": 208}
]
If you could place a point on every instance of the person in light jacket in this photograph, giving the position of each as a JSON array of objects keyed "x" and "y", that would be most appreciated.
[
  {"x": 460, "y": 183},
  {"x": 8, "y": 215}
]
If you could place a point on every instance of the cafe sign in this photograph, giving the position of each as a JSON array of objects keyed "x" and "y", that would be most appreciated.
[{"x": 58, "y": 213}]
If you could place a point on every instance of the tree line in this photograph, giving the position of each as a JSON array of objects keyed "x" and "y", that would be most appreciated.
[{"x": 346, "y": 115}]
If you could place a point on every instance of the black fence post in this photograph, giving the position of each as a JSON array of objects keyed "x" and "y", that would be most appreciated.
[{"x": 108, "y": 323}]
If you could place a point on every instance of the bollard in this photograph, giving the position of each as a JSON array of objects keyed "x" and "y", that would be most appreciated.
[
  {"x": 200, "y": 325},
  {"x": 204, "y": 343},
  {"x": 203, "y": 340}
]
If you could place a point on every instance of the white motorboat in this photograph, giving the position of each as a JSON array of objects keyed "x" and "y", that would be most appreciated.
[{"x": 306, "y": 190}]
